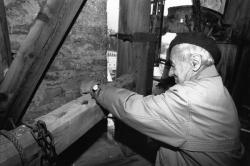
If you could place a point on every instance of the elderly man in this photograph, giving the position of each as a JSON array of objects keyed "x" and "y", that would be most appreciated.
[{"x": 196, "y": 119}]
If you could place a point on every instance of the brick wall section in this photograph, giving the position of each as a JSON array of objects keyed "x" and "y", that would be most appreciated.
[{"x": 81, "y": 58}]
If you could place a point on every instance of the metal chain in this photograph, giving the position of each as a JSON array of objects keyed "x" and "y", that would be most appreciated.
[
  {"x": 45, "y": 140},
  {"x": 11, "y": 137}
]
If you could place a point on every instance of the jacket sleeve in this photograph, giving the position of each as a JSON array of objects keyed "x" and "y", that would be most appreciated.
[{"x": 163, "y": 117}]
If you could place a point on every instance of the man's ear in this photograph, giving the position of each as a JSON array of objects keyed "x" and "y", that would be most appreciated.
[{"x": 196, "y": 62}]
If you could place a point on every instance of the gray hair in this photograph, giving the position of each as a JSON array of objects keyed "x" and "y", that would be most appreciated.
[{"x": 189, "y": 49}]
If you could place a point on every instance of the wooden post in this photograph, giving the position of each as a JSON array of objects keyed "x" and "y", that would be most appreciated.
[
  {"x": 37, "y": 53},
  {"x": 136, "y": 57},
  {"x": 67, "y": 124},
  {"x": 5, "y": 52}
]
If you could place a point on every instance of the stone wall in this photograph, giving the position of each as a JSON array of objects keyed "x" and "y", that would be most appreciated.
[{"x": 81, "y": 58}]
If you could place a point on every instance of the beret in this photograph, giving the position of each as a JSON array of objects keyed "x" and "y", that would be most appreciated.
[{"x": 198, "y": 39}]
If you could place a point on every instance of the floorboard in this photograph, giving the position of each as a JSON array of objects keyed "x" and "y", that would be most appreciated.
[{"x": 107, "y": 152}]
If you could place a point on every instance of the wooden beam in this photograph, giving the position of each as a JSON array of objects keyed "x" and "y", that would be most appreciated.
[
  {"x": 136, "y": 57},
  {"x": 5, "y": 52},
  {"x": 37, "y": 53},
  {"x": 67, "y": 124}
]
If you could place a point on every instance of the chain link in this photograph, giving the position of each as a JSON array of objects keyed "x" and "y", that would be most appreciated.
[{"x": 45, "y": 140}]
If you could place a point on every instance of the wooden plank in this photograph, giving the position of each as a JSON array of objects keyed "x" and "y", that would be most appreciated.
[
  {"x": 135, "y": 57},
  {"x": 5, "y": 52},
  {"x": 37, "y": 53},
  {"x": 67, "y": 124}
]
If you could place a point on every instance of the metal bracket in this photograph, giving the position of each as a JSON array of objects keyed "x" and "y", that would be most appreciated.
[{"x": 136, "y": 37}]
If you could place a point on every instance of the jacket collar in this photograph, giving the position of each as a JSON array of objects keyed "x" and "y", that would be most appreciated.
[{"x": 210, "y": 71}]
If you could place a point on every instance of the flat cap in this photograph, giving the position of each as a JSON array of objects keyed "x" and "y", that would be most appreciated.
[{"x": 198, "y": 39}]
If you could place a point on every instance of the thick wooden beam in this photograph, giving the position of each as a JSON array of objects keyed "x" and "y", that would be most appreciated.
[
  {"x": 37, "y": 53},
  {"x": 136, "y": 57},
  {"x": 5, "y": 52},
  {"x": 67, "y": 124}
]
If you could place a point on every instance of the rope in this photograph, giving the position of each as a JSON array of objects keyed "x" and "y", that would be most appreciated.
[{"x": 11, "y": 137}]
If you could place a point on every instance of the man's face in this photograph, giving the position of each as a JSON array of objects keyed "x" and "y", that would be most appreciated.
[{"x": 180, "y": 69}]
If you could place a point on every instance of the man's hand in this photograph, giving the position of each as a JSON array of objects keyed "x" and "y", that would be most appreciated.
[{"x": 86, "y": 86}]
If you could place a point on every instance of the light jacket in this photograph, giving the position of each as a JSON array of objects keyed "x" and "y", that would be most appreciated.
[{"x": 198, "y": 119}]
